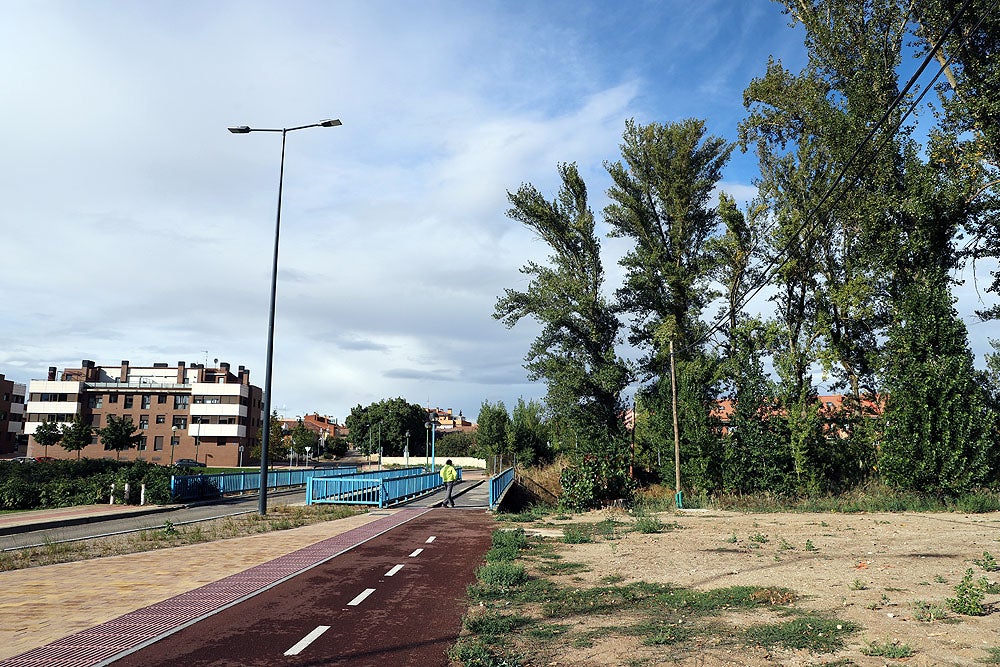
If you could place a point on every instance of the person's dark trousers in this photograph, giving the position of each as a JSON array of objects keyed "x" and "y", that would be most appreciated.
[{"x": 448, "y": 500}]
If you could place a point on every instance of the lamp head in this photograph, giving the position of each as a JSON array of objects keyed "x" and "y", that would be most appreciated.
[
  {"x": 330, "y": 122},
  {"x": 242, "y": 129}
]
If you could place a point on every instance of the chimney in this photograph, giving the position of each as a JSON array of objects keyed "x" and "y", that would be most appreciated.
[
  {"x": 52, "y": 373},
  {"x": 244, "y": 376},
  {"x": 180, "y": 372},
  {"x": 124, "y": 375}
]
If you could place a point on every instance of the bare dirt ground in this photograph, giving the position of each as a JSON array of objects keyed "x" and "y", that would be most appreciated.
[{"x": 877, "y": 570}]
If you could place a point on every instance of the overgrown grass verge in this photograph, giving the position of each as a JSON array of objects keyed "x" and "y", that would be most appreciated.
[
  {"x": 517, "y": 610},
  {"x": 282, "y": 517}
]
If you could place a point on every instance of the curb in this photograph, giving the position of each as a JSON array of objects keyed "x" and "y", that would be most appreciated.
[{"x": 78, "y": 520}]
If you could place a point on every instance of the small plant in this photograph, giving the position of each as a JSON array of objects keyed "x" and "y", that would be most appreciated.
[
  {"x": 993, "y": 656},
  {"x": 732, "y": 539},
  {"x": 501, "y": 576},
  {"x": 168, "y": 528},
  {"x": 927, "y": 612},
  {"x": 987, "y": 562},
  {"x": 784, "y": 545},
  {"x": 649, "y": 524},
  {"x": 887, "y": 649},
  {"x": 612, "y": 579},
  {"x": 939, "y": 579},
  {"x": 858, "y": 585},
  {"x": 810, "y": 546},
  {"x": 759, "y": 538},
  {"x": 576, "y": 535},
  {"x": 968, "y": 599}
]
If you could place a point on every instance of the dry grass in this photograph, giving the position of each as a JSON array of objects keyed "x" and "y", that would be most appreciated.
[{"x": 279, "y": 518}]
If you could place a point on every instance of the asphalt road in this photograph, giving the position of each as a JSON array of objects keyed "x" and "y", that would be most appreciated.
[
  {"x": 177, "y": 516},
  {"x": 397, "y": 599}
]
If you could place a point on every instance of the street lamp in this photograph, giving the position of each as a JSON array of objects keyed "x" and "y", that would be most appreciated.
[
  {"x": 244, "y": 129},
  {"x": 431, "y": 426},
  {"x": 173, "y": 442},
  {"x": 406, "y": 452}
]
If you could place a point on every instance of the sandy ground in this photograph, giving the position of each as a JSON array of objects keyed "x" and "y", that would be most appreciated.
[{"x": 872, "y": 569}]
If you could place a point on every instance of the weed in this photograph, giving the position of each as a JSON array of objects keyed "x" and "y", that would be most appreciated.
[
  {"x": 612, "y": 579},
  {"x": 927, "y": 612},
  {"x": 473, "y": 652},
  {"x": 168, "y": 528},
  {"x": 993, "y": 656},
  {"x": 546, "y": 631},
  {"x": 608, "y": 529},
  {"x": 968, "y": 600},
  {"x": 491, "y": 627},
  {"x": 810, "y": 546},
  {"x": 732, "y": 539},
  {"x": 576, "y": 535},
  {"x": 784, "y": 545},
  {"x": 759, "y": 538},
  {"x": 498, "y": 578},
  {"x": 858, "y": 585},
  {"x": 987, "y": 562},
  {"x": 939, "y": 579},
  {"x": 649, "y": 524},
  {"x": 887, "y": 649}
]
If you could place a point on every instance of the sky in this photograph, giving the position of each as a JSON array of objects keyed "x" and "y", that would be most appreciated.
[{"x": 135, "y": 226}]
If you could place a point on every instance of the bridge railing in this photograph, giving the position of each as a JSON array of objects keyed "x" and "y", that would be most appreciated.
[
  {"x": 191, "y": 487},
  {"x": 499, "y": 484},
  {"x": 379, "y": 488}
]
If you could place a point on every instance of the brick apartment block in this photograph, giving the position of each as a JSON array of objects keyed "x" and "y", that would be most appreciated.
[
  {"x": 11, "y": 415},
  {"x": 183, "y": 412}
]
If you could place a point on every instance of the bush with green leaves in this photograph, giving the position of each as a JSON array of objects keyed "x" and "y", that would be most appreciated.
[{"x": 968, "y": 599}]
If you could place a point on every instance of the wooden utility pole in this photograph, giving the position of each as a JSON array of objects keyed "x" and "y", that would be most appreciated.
[{"x": 677, "y": 433}]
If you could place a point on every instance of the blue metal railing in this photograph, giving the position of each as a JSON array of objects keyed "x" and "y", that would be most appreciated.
[
  {"x": 189, "y": 487},
  {"x": 499, "y": 484},
  {"x": 378, "y": 488}
]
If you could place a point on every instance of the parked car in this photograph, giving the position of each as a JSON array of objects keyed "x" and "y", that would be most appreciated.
[
  {"x": 42, "y": 459},
  {"x": 24, "y": 459},
  {"x": 188, "y": 463}
]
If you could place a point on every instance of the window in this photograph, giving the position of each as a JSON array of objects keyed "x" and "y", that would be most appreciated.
[
  {"x": 158, "y": 443},
  {"x": 221, "y": 442},
  {"x": 96, "y": 402},
  {"x": 227, "y": 420},
  {"x": 112, "y": 398},
  {"x": 181, "y": 402},
  {"x": 161, "y": 398},
  {"x": 52, "y": 398},
  {"x": 146, "y": 400},
  {"x": 128, "y": 401},
  {"x": 180, "y": 422},
  {"x": 174, "y": 441},
  {"x": 95, "y": 421},
  {"x": 142, "y": 444},
  {"x": 161, "y": 419},
  {"x": 143, "y": 422}
]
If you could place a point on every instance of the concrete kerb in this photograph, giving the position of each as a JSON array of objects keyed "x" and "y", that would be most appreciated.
[{"x": 36, "y": 522}]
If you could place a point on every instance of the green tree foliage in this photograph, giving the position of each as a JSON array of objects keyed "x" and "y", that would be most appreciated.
[
  {"x": 76, "y": 435},
  {"x": 386, "y": 422},
  {"x": 575, "y": 352},
  {"x": 48, "y": 434},
  {"x": 119, "y": 434},
  {"x": 937, "y": 419},
  {"x": 493, "y": 431},
  {"x": 301, "y": 437},
  {"x": 528, "y": 433},
  {"x": 277, "y": 447},
  {"x": 661, "y": 201},
  {"x": 460, "y": 443}
]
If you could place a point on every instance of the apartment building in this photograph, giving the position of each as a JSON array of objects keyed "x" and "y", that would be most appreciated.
[
  {"x": 183, "y": 412},
  {"x": 449, "y": 422},
  {"x": 11, "y": 415}
]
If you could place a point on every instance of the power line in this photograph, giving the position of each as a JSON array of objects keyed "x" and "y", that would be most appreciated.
[{"x": 811, "y": 217}]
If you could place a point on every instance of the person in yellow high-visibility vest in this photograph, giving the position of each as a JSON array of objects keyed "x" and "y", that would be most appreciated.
[{"x": 448, "y": 476}]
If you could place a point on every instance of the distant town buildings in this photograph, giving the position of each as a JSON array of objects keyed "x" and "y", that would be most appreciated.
[
  {"x": 194, "y": 412},
  {"x": 450, "y": 423},
  {"x": 11, "y": 415}
]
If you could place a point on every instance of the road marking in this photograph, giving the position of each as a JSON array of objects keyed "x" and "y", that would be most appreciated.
[
  {"x": 430, "y": 539},
  {"x": 416, "y": 553},
  {"x": 307, "y": 640},
  {"x": 361, "y": 597},
  {"x": 394, "y": 570}
]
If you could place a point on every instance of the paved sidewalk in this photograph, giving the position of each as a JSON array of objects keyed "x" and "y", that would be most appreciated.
[{"x": 16, "y": 522}]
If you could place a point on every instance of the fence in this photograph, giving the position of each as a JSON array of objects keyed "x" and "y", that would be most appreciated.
[
  {"x": 190, "y": 487},
  {"x": 378, "y": 488},
  {"x": 498, "y": 485}
]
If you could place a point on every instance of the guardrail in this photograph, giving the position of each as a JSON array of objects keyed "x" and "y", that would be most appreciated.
[
  {"x": 379, "y": 488},
  {"x": 499, "y": 484},
  {"x": 191, "y": 487}
]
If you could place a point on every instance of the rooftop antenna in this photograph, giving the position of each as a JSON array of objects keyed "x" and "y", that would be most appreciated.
[{"x": 206, "y": 357}]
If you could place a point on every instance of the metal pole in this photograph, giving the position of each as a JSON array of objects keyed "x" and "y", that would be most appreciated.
[
  {"x": 677, "y": 438},
  {"x": 433, "y": 433}
]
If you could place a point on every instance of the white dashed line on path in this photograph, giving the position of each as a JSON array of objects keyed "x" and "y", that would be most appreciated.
[
  {"x": 394, "y": 570},
  {"x": 416, "y": 553},
  {"x": 430, "y": 539},
  {"x": 307, "y": 640},
  {"x": 361, "y": 597}
]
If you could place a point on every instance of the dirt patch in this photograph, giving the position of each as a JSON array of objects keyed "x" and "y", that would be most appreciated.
[{"x": 888, "y": 573}]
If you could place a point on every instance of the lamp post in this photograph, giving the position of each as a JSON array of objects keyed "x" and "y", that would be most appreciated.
[
  {"x": 431, "y": 426},
  {"x": 406, "y": 451},
  {"x": 173, "y": 442},
  {"x": 427, "y": 444},
  {"x": 244, "y": 129}
]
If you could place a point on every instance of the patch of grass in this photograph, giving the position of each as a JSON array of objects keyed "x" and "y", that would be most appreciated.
[
  {"x": 814, "y": 633},
  {"x": 992, "y": 656},
  {"x": 759, "y": 538},
  {"x": 547, "y": 631},
  {"x": 493, "y": 627},
  {"x": 609, "y": 529},
  {"x": 580, "y": 534},
  {"x": 497, "y": 579},
  {"x": 649, "y": 524},
  {"x": 473, "y": 652},
  {"x": 612, "y": 579},
  {"x": 858, "y": 585},
  {"x": 563, "y": 568},
  {"x": 928, "y": 612},
  {"x": 887, "y": 649}
]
